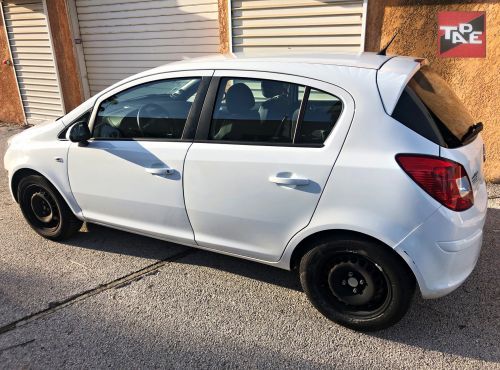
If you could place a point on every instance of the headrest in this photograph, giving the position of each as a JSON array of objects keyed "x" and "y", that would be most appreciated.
[
  {"x": 272, "y": 88},
  {"x": 239, "y": 98}
]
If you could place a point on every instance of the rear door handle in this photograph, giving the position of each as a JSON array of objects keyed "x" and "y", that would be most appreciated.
[
  {"x": 160, "y": 171},
  {"x": 289, "y": 181}
]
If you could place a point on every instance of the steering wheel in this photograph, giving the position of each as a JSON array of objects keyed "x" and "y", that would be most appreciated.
[{"x": 148, "y": 114}]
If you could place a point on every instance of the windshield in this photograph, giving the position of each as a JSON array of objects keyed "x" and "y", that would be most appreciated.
[{"x": 449, "y": 113}]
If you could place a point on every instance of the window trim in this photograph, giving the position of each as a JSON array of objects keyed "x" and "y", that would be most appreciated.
[
  {"x": 205, "y": 119},
  {"x": 193, "y": 116},
  {"x": 302, "y": 111}
]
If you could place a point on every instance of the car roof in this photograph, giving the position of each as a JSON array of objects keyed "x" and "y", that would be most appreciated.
[
  {"x": 396, "y": 70},
  {"x": 239, "y": 60},
  {"x": 320, "y": 66}
]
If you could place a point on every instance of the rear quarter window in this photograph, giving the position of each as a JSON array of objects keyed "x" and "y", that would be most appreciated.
[
  {"x": 412, "y": 113},
  {"x": 431, "y": 108}
]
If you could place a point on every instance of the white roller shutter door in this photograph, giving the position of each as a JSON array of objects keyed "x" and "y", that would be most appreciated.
[
  {"x": 280, "y": 26},
  {"x": 33, "y": 59},
  {"x": 121, "y": 38}
]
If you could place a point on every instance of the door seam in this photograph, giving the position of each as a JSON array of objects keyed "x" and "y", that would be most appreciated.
[{"x": 184, "y": 192}]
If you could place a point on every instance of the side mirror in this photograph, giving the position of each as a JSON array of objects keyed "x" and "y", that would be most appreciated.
[{"x": 79, "y": 133}]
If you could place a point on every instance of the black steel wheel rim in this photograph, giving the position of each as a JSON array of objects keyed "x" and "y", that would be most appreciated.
[
  {"x": 40, "y": 207},
  {"x": 355, "y": 285}
]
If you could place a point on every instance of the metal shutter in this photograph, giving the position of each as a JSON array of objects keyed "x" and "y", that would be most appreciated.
[
  {"x": 264, "y": 26},
  {"x": 33, "y": 59},
  {"x": 121, "y": 38}
]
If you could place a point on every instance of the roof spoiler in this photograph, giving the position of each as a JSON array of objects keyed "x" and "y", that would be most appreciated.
[{"x": 392, "y": 78}]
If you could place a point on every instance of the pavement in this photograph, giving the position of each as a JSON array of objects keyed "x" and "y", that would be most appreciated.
[{"x": 107, "y": 298}]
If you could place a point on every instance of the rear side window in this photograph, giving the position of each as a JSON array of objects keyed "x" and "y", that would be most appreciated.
[
  {"x": 320, "y": 114},
  {"x": 266, "y": 111},
  {"x": 430, "y": 107}
]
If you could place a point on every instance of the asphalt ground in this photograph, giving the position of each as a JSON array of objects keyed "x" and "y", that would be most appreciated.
[{"x": 107, "y": 298}]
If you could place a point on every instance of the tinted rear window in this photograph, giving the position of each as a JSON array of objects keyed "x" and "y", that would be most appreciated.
[{"x": 430, "y": 107}]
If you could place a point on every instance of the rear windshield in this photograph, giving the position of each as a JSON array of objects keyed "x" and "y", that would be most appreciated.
[{"x": 447, "y": 120}]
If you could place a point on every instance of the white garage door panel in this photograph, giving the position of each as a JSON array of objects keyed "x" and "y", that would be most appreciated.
[
  {"x": 93, "y": 66},
  {"x": 170, "y": 19},
  {"x": 33, "y": 59},
  {"x": 279, "y": 32},
  {"x": 149, "y": 59},
  {"x": 116, "y": 44},
  {"x": 141, "y": 4},
  {"x": 163, "y": 32},
  {"x": 127, "y": 37},
  {"x": 146, "y": 13},
  {"x": 266, "y": 26}
]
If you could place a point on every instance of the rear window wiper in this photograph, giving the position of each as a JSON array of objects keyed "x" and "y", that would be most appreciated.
[{"x": 472, "y": 132}]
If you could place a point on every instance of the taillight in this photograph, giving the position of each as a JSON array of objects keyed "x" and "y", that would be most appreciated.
[{"x": 444, "y": 180}]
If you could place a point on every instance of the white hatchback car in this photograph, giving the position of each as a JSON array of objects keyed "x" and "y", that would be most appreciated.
[{"x": 363, "y": 172}]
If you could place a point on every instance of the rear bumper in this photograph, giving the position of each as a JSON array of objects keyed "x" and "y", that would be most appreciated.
[{"x": 443, "y": 251}]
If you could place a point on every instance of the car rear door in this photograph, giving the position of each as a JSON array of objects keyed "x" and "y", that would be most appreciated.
[{"x": 247, "y": 193}]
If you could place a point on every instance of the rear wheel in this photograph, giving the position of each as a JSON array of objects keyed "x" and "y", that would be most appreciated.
[
  {"x": 357, "y": 283},
  {"x": 45, "y": 209}
]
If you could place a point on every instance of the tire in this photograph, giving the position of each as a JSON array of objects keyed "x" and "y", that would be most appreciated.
[
  {"x": 359, "y": 284},
  {"x": 45, "y": 210}
]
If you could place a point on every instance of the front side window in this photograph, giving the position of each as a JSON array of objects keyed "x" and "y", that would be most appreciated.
[
  {"x": 154, "y": 110},
  {"x": 268, "y": 111}
]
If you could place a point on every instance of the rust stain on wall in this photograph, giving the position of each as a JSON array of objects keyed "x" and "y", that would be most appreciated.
[
  {"x": 11, "y": 109},
  {"x": 223, "y": 27},
  {"x": 62, "y": 40},
  {"x": 475, "y": 80}
]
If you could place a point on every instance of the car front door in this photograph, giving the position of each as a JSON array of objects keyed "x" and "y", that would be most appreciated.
[
  {"x": 264, "y": 149},
  {"x": 130, "y": 173}
]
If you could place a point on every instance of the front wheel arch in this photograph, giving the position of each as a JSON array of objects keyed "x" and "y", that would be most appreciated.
[
  {"x": 19, "y": 175},
  {"x": 68, "y": 197},
  {"x": 44, "y": 208}
]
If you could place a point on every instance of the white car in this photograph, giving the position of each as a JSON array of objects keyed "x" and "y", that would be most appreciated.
[{"x": 363, "y": 172}]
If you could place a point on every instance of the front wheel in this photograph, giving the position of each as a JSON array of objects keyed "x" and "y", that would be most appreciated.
[
  {"x": 45, "y": 209},
  {"x": 357, "y": 283}
]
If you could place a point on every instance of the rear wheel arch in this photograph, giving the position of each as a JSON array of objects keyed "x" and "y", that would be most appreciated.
[{"x": 312, "y": 240}]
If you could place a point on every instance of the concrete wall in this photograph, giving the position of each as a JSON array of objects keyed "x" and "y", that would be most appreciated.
[
  {"x": 476, "y": 80},
  {"x": 11, "y": 109}
]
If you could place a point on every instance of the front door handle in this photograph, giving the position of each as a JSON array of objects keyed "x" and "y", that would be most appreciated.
[
  {"x": 160, "y": 171},
  {"x": 289, "y": 181}
]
